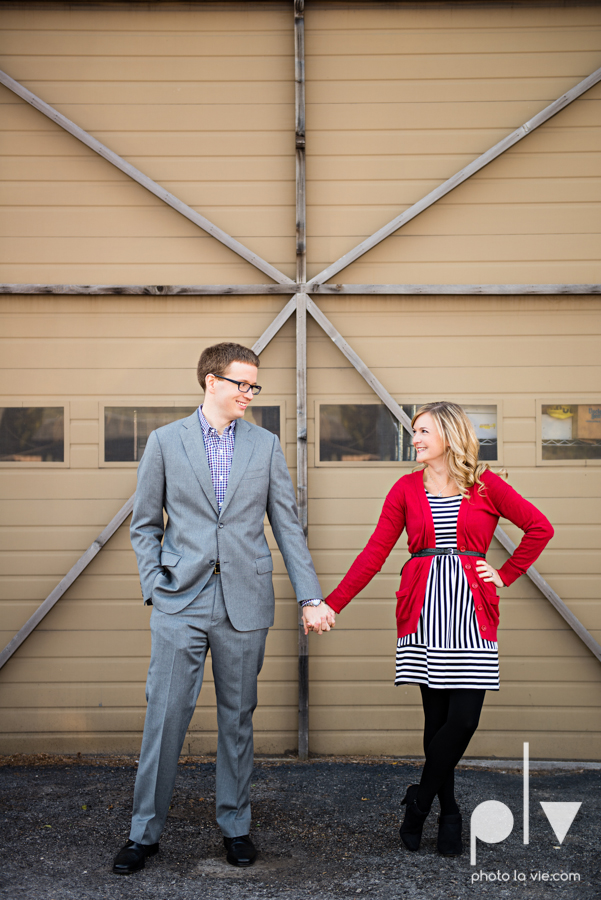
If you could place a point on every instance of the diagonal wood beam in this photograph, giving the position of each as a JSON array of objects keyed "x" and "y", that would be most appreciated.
[
  {"x": 94, "y": 549},
  {"x": 146, "y": 182},
  {"x": 72, "y": 575},
  {"x": 458, "y": 178},
  {"x": 503, "y": 538}
]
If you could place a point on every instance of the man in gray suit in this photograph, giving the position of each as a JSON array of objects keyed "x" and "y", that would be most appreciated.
[{"x": 208, "y": 575}]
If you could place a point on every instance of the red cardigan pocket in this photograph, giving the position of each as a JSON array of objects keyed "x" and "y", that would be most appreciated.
[{"x": 403, "y": 604}]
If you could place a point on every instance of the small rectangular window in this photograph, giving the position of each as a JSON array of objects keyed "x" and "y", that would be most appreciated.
[
  {"x": 570, "y": 431},
  {"x": 267, "y": 417},
  {"x": 350, "y": 432},
  {"x": 33, "y": 434},
  {"x": 484, "y": 419},
  {"x": 127, "y": 428},
  {"x": 358, "y": 432}
]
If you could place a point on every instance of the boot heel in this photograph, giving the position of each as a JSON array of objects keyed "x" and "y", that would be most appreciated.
[
  {"x": 413, "y": 823},
  {"x": 449, "y": 835}
]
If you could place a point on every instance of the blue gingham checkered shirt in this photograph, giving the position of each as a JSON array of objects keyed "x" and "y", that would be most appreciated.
[{"x": 220, "y": 451}]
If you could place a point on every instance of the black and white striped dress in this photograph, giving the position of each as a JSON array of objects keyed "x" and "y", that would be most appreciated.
[{"x": 447, "y": 650}]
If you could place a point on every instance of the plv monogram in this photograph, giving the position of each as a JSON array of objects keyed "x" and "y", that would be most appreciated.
[{"x": 492, "y": 821}]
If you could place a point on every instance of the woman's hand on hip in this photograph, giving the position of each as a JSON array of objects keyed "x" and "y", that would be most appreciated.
[{"x": 487, "y": 573}]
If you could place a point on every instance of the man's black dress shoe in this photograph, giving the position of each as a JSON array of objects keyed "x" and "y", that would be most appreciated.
[
  {"x": 240, "y": 850},
  {"x": 132, "y": 857}
]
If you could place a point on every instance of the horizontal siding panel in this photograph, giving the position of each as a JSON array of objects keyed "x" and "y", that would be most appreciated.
[
  {"x": 165, "y": 68},
  {"x": 522, "y": 719},
  {"x": 546, "y": 381},
  {"x": 82, "y": 720},
  {"x": 335, "y": 510},
  {"x": 163, "y": 224},
  {"x": 386, "y": 695},
  {"x": 367, "y": 66},
  {"x": 122, "y": 695},
  {"x": 495, "y": 218},
  {"x": 487, "y": 744},
  {"x": 352, "y": 538},
  {"x": 160, "y": 117},
  {"x": 23, "y": 671},
  {"x": 515, "y": 670}
]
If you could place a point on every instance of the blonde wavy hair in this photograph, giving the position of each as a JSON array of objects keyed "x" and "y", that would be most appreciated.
[{"x": 462, "y": 445}]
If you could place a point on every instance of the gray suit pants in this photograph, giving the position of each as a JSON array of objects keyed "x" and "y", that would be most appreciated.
[{"x": 179, "y": 648}]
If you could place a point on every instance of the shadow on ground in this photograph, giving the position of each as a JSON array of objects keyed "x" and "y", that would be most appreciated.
[{"x": 326, "y": 829}]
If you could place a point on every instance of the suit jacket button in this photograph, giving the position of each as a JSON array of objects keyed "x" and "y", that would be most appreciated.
[{"x": 220, "y": 525}]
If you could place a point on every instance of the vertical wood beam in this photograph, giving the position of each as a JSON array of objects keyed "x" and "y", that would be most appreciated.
[
  {"x": 301, "y": 353},
  {"x": 299, "y": 127},
  {"x": 301, "y": 493}
]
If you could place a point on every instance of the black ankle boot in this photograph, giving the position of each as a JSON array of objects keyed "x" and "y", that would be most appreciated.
[
  {"x": 413, "y": 823},
  {"x": 449, "y": 835}
]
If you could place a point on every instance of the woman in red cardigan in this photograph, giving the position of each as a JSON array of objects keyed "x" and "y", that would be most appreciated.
[{"x": 447, "y": 604}]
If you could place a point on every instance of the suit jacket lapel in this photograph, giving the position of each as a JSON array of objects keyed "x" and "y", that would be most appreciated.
[
  {"x": 194, "y": 446},
  {"x": 243, "y": 447}
]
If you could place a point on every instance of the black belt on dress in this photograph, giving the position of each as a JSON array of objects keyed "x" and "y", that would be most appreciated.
[
  {"x": 447, "y": 551},
  {"x": 444, "y": 551}
]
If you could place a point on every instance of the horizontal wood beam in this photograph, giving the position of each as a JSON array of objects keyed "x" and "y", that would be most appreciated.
[
  {"x": 153, "y": 290},
  {"x": 146, "y": 182},
  {"x": 86, "y": 558},
  {"x": 223, "y": 290},
  {"x": 436, "y": 289},
  {"x": 459, "y": 177},
  {"x": 504, "y": 539}
]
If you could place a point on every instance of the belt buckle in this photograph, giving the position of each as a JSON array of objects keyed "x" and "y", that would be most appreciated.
[
  {"x": 450, "y": 551},
  {"x": 217, "y": 569}
]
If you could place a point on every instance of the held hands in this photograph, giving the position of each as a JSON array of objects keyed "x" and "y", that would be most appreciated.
[
  {"x": 318, "y": 618},
  {"x": 487, "y": 573}
]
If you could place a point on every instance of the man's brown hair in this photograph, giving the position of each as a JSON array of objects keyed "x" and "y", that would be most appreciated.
[{"x": 215, "y": 360}]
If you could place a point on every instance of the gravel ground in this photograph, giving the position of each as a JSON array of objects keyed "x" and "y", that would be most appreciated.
[{"x": 327, "y": 828}]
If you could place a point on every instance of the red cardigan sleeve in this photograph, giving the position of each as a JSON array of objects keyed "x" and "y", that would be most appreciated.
[
  {"x": 537, "y": 529},
  {"x": 373, "y": 556}
]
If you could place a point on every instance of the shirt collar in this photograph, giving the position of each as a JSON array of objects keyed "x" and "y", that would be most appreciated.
[{"x": 206, "y": 428}]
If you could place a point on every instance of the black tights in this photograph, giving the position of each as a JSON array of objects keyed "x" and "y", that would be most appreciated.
[{"x": 451, "y": 718}]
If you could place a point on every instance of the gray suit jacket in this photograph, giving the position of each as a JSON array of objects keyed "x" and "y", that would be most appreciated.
[{"x": 176, "y": 560}]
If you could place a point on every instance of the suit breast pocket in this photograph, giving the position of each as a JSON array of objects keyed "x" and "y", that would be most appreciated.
[{"x": 256, "y": 473}]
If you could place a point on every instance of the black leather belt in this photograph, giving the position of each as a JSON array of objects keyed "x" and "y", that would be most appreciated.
[
  {"x": 444, "y": 551},
  {"x": 217, "y": 570},
  {"x": 447, "y": 551}
]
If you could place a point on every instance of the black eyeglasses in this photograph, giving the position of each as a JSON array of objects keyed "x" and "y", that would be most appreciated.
[{"x": 243, "y": 386}]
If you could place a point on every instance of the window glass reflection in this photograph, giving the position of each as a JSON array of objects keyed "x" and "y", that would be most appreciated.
[
  {"x": 571, "y": 431},
  {"x": 32, "y": 434}
]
